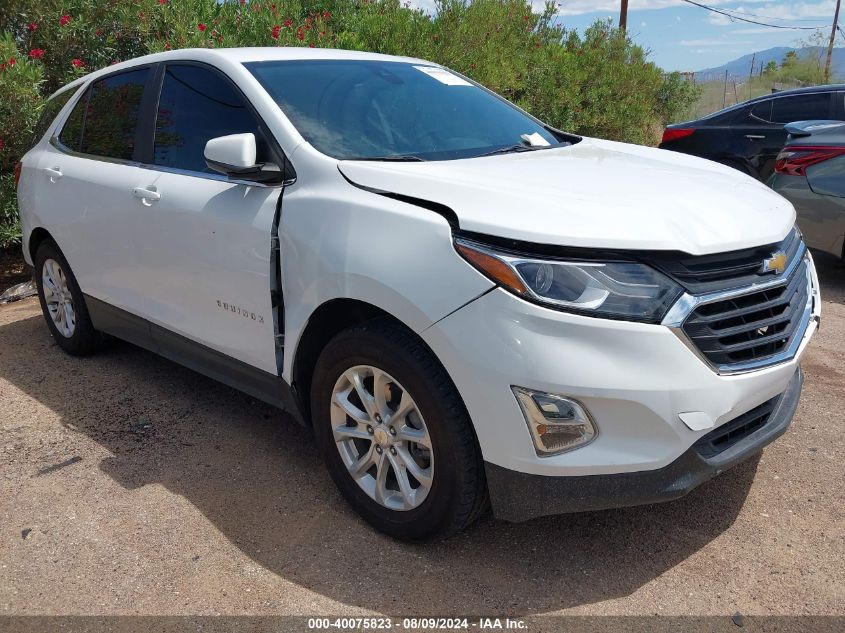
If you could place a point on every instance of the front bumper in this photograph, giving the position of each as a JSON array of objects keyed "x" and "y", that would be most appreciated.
[{"x": 517, "y": 496}]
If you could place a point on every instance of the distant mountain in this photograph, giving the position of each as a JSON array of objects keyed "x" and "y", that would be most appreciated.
[{"x": 741, "y": 67}]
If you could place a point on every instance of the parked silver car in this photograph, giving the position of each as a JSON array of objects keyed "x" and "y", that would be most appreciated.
[{"x": 810, "y": 172}]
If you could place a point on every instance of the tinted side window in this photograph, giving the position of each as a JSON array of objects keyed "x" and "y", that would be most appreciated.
[
  {"x": 198, "y": 104},
  {"x": 71, "y": 134},
  {"x": 105, "y": 119},
  {"x": 762, "y": 110},
  {"x": 112, "y": 115},
  {"x": 49, "y": 112},
  {"x": 801, "y": 108}
]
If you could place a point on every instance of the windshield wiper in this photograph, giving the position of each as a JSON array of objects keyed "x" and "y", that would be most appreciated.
[
  {"x": 522, "y": 147},
  {"x": 399, "y": 158}
]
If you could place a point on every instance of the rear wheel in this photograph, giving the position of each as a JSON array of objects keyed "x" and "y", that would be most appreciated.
[
  {"x": 395, "y": 435},
  {"x": 62, "y": 302}
]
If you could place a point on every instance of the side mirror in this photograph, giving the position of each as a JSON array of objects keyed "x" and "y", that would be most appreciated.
[{"x": 234, "y": 155}]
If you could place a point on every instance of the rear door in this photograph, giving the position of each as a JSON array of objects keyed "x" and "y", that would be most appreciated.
[
  {"x": 779, "y": 111},
  {"x": 760, "y": 138},
  {"x": 84, "y": 185},
  {"x": 206, "y": 261}
]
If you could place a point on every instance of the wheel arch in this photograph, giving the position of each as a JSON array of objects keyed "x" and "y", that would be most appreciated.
[
  {"x": 328, "y": 320},
  {"x": 36, "y": 238}
]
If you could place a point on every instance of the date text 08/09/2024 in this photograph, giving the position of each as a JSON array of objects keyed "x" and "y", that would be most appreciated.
[{"x": 411, "y": 624}]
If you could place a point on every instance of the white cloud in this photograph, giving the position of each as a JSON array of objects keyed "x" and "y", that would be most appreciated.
[
  {"x": 703, "y": 42},
  {"x": 712, "y": 42},
  {"x": 778, "y": 13}
]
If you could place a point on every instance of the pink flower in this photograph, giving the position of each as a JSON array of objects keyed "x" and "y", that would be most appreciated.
[
  {"x": 12, "y": 61},
  {"x": 300, "y": 34},
  {"x": 201, "y": 26},
  {"x": 64, "y": 20},
  {"x": 326, "y": 14},
  {"x": 276, "y": 30},
  {"x": 288, "y": 23},
  {"x": 36, "y": 53},
  {"x": 32, "y": 26},
  {"x": 77, "y": 63},
  {"x": 162, "y": 1}
]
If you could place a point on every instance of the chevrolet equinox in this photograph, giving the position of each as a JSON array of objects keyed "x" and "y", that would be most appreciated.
[{"x": 470, "y": 307}]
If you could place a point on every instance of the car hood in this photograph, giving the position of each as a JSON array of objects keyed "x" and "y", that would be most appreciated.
[{"x": 596, "y": 194}]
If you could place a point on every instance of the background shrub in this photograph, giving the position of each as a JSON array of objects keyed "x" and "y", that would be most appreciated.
[{"x": 599, "y": 83}]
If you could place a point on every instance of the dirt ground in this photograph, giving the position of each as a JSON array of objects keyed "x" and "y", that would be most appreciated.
[{"x": 129, "y": 485}]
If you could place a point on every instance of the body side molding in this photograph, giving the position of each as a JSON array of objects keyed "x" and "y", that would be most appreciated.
[{"x": 255, "y": 382}]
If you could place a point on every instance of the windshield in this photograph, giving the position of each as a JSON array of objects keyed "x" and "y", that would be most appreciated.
[{"x": 384, "y": 110}]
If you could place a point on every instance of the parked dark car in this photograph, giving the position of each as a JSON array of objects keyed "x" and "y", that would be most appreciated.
[
  {"x": 749, "y": 136},
  {"x": 810, "y": 172}
]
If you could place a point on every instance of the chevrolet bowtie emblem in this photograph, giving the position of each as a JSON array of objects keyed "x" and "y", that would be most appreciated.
[{"x": 775, "y": 264}]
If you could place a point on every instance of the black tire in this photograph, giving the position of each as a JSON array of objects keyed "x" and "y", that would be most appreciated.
[
  {"x": 458, "y": 494},
  {"x": 85, "y": 339}
]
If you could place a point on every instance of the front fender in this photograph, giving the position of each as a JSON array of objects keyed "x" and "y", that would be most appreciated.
[{"x": 340, "y": 242}]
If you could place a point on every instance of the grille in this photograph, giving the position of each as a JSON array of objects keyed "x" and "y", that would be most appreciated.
[
  {"x": 736, "y": 430},
  {"x": 701, "y": 274},
  {"x": 753, "y": 326}
]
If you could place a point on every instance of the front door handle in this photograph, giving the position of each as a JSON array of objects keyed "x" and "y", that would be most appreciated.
[
  {"x": 147, "y": 196},
  {"x": 755, "y": 136},
  {"x": 54, "y": 172}
]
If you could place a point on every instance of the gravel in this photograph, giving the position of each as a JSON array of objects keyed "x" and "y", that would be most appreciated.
[{"x": 129, "y": 485}]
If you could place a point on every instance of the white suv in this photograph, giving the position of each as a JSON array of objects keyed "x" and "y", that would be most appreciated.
[{"x": 465, "y": 303}]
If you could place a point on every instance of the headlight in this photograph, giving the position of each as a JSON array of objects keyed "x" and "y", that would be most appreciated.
[{"x": 611, "y": 289}]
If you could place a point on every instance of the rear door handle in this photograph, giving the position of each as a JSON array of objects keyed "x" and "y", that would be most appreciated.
[
  {"x": 755, "y": 136},
  {"x": 54, "y": 172},
  {"x": 147, "y": 196}
]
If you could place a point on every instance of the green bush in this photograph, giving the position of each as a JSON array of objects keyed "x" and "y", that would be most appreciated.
[
  {"x": 10, "y": 226},
  {"x": 20, "y": 81},
  {"x": 599, "y": 83}
]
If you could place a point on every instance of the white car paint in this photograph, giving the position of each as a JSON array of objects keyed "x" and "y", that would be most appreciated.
[
  {"x": 596, "y": 194},
  {"x": 171, "y": 259}
]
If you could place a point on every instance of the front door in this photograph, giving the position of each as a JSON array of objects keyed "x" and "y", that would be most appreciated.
[{"x": 205, "y": 245}]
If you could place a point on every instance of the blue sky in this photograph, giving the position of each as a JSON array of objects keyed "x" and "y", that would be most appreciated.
[{"x": 684, "y": 37}]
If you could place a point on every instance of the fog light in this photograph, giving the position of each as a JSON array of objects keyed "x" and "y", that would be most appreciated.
[{"x": 557, "y": 424}]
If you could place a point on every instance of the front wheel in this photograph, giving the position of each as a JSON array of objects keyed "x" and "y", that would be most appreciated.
[{"x": 395, "y": 434}]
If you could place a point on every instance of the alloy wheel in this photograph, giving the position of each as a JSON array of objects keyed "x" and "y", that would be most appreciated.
[
  {"x": 58, "y": 297},
  {"x": 382, "y": 438}
]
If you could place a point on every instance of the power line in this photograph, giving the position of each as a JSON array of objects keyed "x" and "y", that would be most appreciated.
[
  {"x": 772, "y": 17},
  {"x": 736, "y": 17}
]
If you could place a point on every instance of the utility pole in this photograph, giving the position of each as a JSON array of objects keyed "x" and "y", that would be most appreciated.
[
  {"x": 623, "y": 16},
  {"x": 832, "y": 40},
  {"x": 753, "y": 59}
]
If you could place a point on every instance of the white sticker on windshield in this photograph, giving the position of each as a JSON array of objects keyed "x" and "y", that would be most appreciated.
[{"x": 443, "y": 76}]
